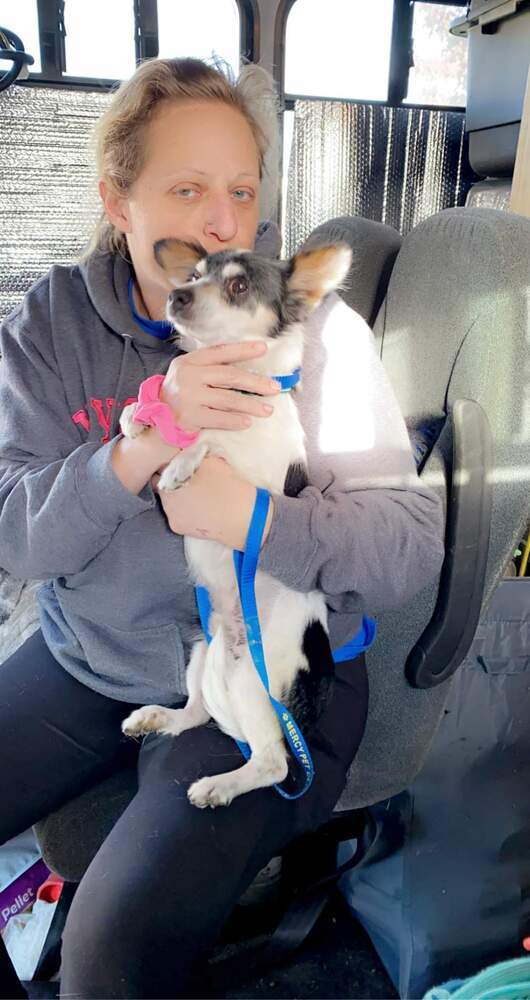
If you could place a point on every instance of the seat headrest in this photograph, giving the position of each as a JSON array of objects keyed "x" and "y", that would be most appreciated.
[{"x": 456, "y": 314}]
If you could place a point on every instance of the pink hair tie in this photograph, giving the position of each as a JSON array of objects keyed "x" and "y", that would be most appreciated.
[{"x": 153, "y": 413}]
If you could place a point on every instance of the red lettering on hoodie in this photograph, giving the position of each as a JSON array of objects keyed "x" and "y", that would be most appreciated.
[
  {"x": 82, "y": 417},
  {"x": 103, "y": 410},
  {"x": 104, "y": 416}
]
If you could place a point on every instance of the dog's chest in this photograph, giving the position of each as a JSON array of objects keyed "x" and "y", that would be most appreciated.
[{"x": 263, "y": 453}]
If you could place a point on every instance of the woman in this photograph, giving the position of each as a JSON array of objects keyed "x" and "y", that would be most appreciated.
[{"x": 181, "y": 153}]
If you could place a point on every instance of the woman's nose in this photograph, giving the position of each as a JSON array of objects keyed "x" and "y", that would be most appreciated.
[{"x": 220, "y": 219}]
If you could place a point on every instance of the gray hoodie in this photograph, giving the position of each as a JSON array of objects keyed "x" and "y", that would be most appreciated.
[{"x": 118, "y": 607}]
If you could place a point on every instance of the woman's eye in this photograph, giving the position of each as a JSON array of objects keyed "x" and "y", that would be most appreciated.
[
  {"x": 242, "y": 195},
  {"x": 237, "y": 286},
  {"x": 186, "y": 193}
]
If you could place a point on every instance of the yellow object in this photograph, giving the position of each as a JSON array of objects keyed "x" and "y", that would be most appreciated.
[
  {"x": 520, "y": 196},
  {"x": 524, "y": 560}
]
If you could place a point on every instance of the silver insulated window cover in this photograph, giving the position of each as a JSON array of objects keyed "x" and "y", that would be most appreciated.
[
  {"x": 393, "y": 165},
  {"x": 48, "y": 195}
]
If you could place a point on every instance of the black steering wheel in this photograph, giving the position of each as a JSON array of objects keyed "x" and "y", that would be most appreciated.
[{"x": 12, "y": 49}]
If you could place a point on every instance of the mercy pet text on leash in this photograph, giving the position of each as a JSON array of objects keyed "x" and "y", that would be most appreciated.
[{"x": 231, "y": 296}]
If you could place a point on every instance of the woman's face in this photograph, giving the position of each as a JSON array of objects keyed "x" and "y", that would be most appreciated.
[{"x": 200, "y": 181}]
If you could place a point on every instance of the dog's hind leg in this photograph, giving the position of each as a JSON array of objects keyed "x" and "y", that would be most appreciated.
[
  {"x": 174, "y": 721},
  {"x": 261, "y": 729}
]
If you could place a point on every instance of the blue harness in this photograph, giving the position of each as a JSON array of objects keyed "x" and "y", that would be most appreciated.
[{"x": 245, "y": 564}]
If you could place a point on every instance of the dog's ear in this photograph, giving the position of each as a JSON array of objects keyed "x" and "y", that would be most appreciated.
[
  {"x": 317, "y": 271},
  {"x": 178, "y": 258}
]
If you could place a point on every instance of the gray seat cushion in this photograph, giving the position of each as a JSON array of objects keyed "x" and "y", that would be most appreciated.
[
  {"x": 455, "y": 324},
  {"x": 70, "y": 837}
]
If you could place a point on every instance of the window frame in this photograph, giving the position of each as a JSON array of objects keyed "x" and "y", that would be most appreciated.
[
  {"x": 52, "y": 43},
  {"x": 400, "y": 58}
]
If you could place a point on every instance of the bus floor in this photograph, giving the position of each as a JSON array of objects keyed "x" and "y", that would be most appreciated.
[{"x": 337, "y": 960}]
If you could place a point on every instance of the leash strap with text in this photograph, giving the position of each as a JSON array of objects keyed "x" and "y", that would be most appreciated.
[{"x": 245, "y": 564}]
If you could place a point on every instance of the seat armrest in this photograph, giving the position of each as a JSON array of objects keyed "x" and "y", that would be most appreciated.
[{"x": 445, "y": 641}]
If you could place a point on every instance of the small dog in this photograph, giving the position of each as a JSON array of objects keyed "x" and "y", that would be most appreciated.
[{"x": 229, "y": 296}]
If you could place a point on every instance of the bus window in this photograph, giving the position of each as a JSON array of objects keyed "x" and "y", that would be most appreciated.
[
  {"x": 113, "y": 58},
  {"x": 439, "y": 70},
  {"x": 209, "y": 28},
  {"x": 111, "y": 54},
  {"x": 22, "y": 19},
  {"x": 345, "y": 54},
  {"x": 382, "y": 159}
]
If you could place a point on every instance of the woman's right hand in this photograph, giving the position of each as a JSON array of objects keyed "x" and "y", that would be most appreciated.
[{"x": 198, "y": 387}]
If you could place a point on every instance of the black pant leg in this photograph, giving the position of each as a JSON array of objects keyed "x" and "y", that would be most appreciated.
[
  {"x": 56, "y": 736},
  {"x": 157, "y": 894}
]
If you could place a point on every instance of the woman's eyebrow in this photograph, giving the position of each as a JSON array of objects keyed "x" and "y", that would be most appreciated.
[{"x": 186, "y": 171}]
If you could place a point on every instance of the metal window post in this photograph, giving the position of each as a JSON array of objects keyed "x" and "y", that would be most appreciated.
[
  {"x": 145, "y": 30},
  {"x": 52, "y": 35}
]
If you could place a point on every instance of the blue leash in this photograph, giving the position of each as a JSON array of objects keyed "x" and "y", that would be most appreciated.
[{"x": 245, "y": 564}]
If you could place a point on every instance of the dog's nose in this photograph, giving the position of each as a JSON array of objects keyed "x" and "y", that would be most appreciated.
[{"x": 180, "y": 297}]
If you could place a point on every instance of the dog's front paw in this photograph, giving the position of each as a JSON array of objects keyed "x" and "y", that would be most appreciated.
[
  {"x": 210, "y": 792},
  {"x": 128, "y": 427},
  {"x": 150, "y": 719},
  {"x": 170, "y": 478},
  {"x": 182, "y": 467}
]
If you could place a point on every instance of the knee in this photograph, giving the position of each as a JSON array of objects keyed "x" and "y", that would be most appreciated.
[
  {"x": 118, "y": 942},
  {"x": 98, "y": 944}
]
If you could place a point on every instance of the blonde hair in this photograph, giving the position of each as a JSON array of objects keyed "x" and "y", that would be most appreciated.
[{"x": 120, "y": 132}]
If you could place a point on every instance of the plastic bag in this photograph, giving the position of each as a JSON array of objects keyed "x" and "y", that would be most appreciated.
[{"x": 24, "y": 937}]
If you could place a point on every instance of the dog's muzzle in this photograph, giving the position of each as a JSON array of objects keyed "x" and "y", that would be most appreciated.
[{"x": 180, "y": 300}]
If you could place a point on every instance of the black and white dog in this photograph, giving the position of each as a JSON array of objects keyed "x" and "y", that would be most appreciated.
[{"x": 233, "y": 296}]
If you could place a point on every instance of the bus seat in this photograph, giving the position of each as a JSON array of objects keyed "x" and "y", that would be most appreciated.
[
  {"x": 494, "y": 192},
  {"x": 453, "y": 333}
]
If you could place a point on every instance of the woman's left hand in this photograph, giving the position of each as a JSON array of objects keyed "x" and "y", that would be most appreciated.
[{"x": 216, "y": 503}]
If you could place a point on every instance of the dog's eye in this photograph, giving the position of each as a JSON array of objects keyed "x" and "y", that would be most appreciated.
[
  {"x": 194, "y": 276},
  {"x": 238, "y": 285}
]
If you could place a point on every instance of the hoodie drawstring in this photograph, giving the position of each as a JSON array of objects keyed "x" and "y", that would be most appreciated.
[
  {"x": 129, "y": 343},
  {"x": 115, "y": 415}
]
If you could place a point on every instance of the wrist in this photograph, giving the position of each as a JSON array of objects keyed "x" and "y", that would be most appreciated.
[
  {"x": 135, "y": 460},
  {"x": 152, "y": 411},
  {"x": 157, "y": 451},
  {"x": 250, "y": 502}
]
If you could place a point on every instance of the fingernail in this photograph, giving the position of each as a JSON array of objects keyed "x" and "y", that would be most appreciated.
[{"x": 267, "y": 408}]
